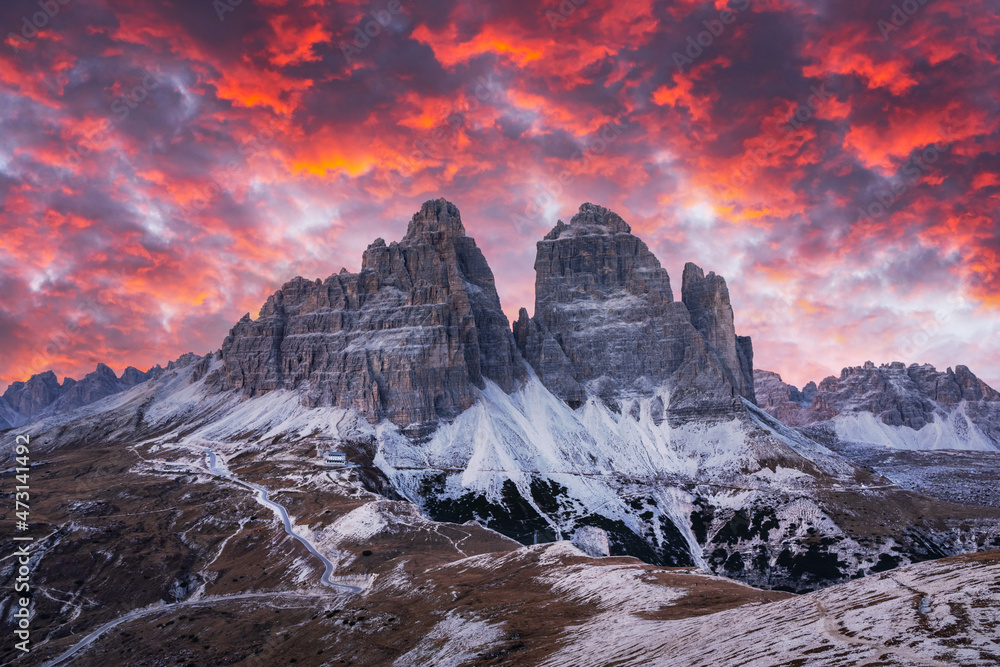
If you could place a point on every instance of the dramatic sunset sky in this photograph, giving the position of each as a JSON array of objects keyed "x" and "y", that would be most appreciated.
[{"x": 164, "y": 166}]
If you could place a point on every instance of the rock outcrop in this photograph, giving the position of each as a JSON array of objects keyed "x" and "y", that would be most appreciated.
[
  {"x": 707, "y": 301},
  {"x": 410, "y": 338},
  {"x": 94, "y": 386},
  {"x": 42, "y": 394},
  {"x": 606, "y": 323},
  {"x": 783, "y": 401},
  {"x": 910, "y": 397},
  {"x": 592, "y": 541}
]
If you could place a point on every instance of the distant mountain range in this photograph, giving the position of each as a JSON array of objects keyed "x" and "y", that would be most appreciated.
[
  {"x": 42, "y": 394},
  {"x": 613, "y": 408},
  {"x": 908, "y": 407}
]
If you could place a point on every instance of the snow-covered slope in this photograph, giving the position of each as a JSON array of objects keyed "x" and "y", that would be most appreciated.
[
  {"x": 948, "y": 430},
  {"x": 907, "y": 617},
  {"x": 9, "y": 417}
]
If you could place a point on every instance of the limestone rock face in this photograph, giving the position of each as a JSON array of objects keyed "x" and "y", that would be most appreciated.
[
  {"x": 94, "y": 386},
  {"x": 31, "y": 397},
  {"x": 782, "y": 400},
  {"x": 606, "y": 324},
  {"x": 409, "y": 338},
  {"x": 707, "y": 300}
]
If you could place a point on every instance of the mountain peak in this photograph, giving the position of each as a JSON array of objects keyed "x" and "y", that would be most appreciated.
[
  {"x": 411, "y": 338},
  {"x": 590, "y": 219},
  {"x": 692, "y": 272},
  {"x": 103, "y": 370},
  {"x": 435, "y": 216},
  {"x": 605, "y": 322}
]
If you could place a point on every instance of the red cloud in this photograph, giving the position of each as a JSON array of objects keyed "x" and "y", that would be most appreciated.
[{"x": 264, "y": 153}]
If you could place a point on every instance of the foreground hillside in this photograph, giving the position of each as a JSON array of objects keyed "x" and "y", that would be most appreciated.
[
  {"x": 943, "y": 613},
  {"x": 180, "y": 564}
]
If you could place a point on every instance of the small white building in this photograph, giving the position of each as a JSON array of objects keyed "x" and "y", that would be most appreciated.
[{"x": 335, "y": 459}]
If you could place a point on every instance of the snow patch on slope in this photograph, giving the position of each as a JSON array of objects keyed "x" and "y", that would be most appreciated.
[
  {"x": 455, "y": 640},
  {"x": 592, "y": 451},
  {"x": 621, "y": 589},
  {"x": 952, "y": 431},
  {"x": 362, "y": 523},
  {"x": 532, "y": 431}
]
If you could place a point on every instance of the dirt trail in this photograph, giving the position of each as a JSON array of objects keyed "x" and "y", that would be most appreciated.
[{"x": 832, "y": 629}]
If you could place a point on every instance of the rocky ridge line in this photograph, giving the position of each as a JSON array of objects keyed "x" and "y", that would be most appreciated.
[
  {"x": 42, "y": 394},
  {"x": 899, "y": 395}
]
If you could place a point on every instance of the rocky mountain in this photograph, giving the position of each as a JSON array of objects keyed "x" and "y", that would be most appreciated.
[
  {"x": 781, "y": 400},
  {"x": 31, "y": 397},
  {"x": 410, "y": 338},
  {"x": 707, "y": 300},
  {"x": 908, "y": 407},
  {"x": 614, "y": 415},
  {"x": 606, "y": 323},
  {"x": 42, "y": 394}
]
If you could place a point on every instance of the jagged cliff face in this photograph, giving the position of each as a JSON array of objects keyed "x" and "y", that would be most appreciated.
[
  {"x": 913, "y": 406},
  {"x": 413, "y": 335},
  {"x": 707, "y": 301},
  {"x": 410, "y": 338},
  {"x": 606, "y": 323}
]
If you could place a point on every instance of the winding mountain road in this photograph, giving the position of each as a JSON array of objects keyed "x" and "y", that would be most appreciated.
[
  {"x": 222, "y": 471},
  {"x": 264, "y": 499}
]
